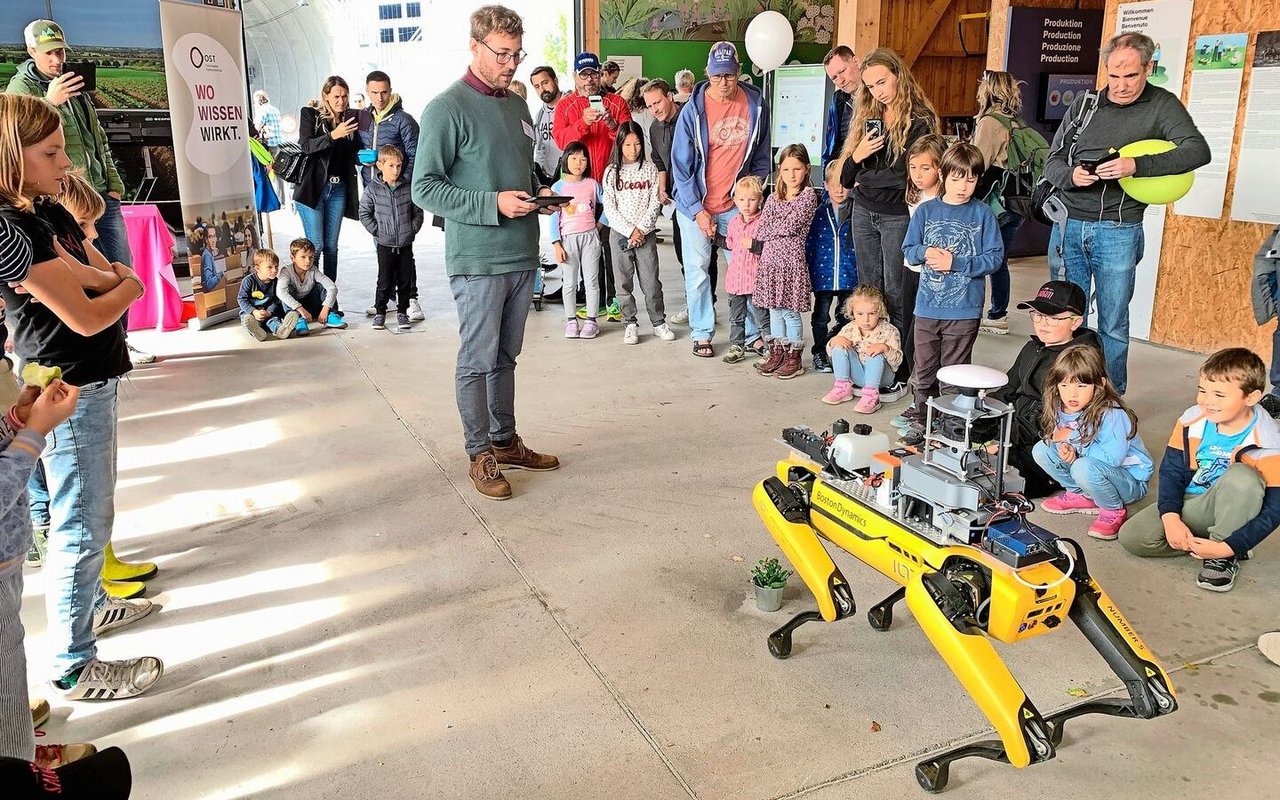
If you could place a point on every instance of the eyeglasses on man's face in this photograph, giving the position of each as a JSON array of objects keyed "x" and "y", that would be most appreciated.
[
  {"x": 504, "y": 57},
  {"x": 722, "y": 79}
]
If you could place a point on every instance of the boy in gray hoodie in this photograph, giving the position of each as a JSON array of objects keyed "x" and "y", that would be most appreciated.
[{"x": 388, "y": 212}]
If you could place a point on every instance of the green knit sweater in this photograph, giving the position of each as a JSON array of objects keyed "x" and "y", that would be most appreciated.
[{"x": 472, "y": 146}]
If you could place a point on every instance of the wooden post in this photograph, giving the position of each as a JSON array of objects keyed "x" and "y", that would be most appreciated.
[
  {"x": 858, "y": 25},
  {"x": 590, "y": 26},
  {"x": 997, "y": 35}
]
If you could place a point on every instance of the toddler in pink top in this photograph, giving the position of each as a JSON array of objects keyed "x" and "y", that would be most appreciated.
[{"x": 747, "y": 324}]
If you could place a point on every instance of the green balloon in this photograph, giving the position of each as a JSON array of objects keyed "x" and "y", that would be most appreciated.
[{"x": 1159, "y": 190}]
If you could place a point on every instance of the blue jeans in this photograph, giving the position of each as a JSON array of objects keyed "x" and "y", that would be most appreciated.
[
  {"x": 1103, "y": 256},
  {"x": 697, "y": 282},
  {"x": 323, "y": 223},
  {"x": 877, "y": 242},
  {"x": 80, "y": 470},
  {"x": 1010, "y": 223},
  {"x": 492, "y": 311},
  {"x": 113, "y": 240},
  {"x": 786, "y": 327},
  {"x": 1107, "y": 485},
  {"x": 848, "y": 367}
]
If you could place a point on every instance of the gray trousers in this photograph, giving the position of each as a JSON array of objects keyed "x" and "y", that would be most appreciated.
[
  {"x": 17, "y": 739},
  {"x": 492, "y": 310},
  {"x": 582, "y": 251},
  {"x": 740, "y": 306},
  {"x": 1234, "y": 499},
  {"x": 939, "y": 343},
  {"x": 641, "y": 262}
]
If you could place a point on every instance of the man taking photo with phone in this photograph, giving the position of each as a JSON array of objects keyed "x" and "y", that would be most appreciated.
[{"x": 45, "y": 75}]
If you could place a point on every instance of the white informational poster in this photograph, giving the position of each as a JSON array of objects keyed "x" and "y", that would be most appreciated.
[
  {"x": 1255, "y": 198},
  {"x": 1168, "y": 22},
  {"x": 628, "y": 67},
  {"x": 799, "y": 106},
  {"x": 1217, "y": 70}
]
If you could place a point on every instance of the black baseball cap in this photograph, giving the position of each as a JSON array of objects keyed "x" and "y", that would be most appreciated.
[
  {"x": 1056, "y": 297},
  {"x": 104, "y": 775}
]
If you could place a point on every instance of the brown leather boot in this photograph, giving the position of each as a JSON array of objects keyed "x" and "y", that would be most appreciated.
[
  {"x": 487, "y": 477},
  {"x": 792, "y": 364},
  {"x": 517, "y": 456},
  {"x": 771, "y": 364}
]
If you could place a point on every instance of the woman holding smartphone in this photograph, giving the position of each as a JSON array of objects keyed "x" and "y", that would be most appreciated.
[
  {"x": 890, "y": 114},
  {"x": 327, "y": 190}
]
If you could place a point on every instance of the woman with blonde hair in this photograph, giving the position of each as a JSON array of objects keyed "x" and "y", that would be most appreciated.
[
  {"x": 327, "y": 192},
  {"x": 890, "y": 113},
  {"x": 999, "y": 113}
]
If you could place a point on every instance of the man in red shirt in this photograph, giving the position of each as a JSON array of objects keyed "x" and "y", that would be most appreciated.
[{"x": 578, "y": 120}]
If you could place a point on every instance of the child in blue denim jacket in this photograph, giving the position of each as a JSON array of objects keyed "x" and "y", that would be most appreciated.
[{"x": 832, "y": 265}]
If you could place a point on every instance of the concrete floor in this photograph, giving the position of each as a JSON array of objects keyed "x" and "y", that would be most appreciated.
[{"x": 343, "y": 617}]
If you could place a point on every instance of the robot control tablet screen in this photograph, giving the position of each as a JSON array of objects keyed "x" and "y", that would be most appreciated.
[{"x": 948, "y": 523}]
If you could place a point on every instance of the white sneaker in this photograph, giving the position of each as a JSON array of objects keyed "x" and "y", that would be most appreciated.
[
  {"x": 1269, "y": 646},
  {"x": 681, "y": 317},
  {"x": 632, "y": 334},
  {"x": 117, "y": 613},
  {"x": 136, "y": 356},
  {"x": 664, "y": 333},
  {"x": 113, "y": 680},
  {"x": 415, "y": 311},
  {"x": 1000, "y": 327}
]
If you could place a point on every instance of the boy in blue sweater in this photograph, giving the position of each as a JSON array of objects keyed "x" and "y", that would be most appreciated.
[
  {"x": 1220, "y": 475},
  {"x": 832, "y": 267},
  {"x": 261, "y": 312},
  {"x": 956, "y": 240}
]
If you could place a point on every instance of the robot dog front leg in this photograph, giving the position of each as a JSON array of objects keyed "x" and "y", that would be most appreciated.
[{"x": 785, "y": 513}]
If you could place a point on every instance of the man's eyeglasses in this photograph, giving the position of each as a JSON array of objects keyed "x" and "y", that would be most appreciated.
[
  {"x": 722, "y": 78},
  {"x": 1036, "y": 316},
  {"x": 504, "y": 57},
  {"x": 589, "y": 73}
]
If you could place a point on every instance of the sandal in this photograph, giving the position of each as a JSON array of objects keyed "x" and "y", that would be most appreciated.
[
  {"x": 703, "y": 350},
  {"x": 759, "y": 348}
]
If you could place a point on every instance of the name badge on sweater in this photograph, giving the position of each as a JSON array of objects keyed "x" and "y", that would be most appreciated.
[{"x": 528, "y": 130}]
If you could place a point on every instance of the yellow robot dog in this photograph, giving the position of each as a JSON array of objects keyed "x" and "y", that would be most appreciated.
[{"x": 949, "y": 525}]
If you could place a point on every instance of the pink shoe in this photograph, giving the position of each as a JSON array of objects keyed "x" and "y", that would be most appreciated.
[
  {"x": 589, "y": 330},
  {"x": 1069, "y": 503},
  {"x": 571, "y": 329},
  {"x": 1107, "y": 525},
  {"x": 869, "y": 403},
  {"x": 842, "y": 392}
]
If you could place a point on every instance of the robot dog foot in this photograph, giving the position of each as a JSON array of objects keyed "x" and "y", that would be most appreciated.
[
  {"x": 780, "y": 640},
  {"x": 881, "y": 614}
]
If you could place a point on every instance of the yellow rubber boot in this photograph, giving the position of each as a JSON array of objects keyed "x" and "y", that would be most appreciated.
[
  {"x": 124, "y": 590},
  {"x": 113, "y": 569}
]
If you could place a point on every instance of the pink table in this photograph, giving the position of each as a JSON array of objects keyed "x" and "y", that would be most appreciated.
[{"x": 152, "y": 246}]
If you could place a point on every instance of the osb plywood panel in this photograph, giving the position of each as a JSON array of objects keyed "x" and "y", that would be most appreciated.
[{"x": 1202, "y": 290}]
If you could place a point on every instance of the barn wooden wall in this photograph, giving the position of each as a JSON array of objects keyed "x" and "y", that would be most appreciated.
[{"x": 1202, "y": 291}]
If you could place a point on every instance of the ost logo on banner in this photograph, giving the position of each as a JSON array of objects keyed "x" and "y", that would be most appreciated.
[{"x": 218, "y": 134}]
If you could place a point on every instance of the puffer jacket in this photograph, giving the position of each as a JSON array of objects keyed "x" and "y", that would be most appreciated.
[
  {"x": 1266, "y": 278},
  {"x": 829, "y": 250},
  {"x": 86, "y": 141},
  {"x": 393, "y": 126},
  {"x": 389, "y": 213}
]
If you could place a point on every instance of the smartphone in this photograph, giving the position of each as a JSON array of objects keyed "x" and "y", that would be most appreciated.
[
  {"x": 1091, "y": 164},
  {"x": 543, "y": 201},
  {"x": 85, "y": 69},
  {"x": 597, "y": 103},
  {"x": 873, "y": 128}
]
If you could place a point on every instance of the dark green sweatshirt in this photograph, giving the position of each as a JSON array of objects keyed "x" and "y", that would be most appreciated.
[{"x": 472, "y": 146}]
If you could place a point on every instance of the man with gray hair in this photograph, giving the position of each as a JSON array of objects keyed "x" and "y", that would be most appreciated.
[
  {"x": 475, "y": 169},
  {"x": 267, "y": 119},
  {"x": 1098, "y": 242},
  {"x": 684, "y": 86}
]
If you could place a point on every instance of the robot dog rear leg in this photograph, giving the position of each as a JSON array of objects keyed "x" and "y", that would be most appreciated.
[{"x": 881, "y": 614}]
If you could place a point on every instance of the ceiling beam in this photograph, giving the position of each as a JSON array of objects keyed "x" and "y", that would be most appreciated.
[{"x": 928, "y": 24}]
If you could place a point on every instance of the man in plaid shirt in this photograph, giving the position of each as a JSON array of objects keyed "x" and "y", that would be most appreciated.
[{"x": 267, "y": 118}]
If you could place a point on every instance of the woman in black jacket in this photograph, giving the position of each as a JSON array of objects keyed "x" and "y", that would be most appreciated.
[
  {"x": 326, "y": 192},
  {"x": 891, "y": 113}
]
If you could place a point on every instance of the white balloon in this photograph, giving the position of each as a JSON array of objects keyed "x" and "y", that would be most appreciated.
[{"x": 769, "y": 39}]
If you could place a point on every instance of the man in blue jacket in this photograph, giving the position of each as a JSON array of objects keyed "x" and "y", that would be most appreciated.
[
  {"x": 722, "y": 135},
  {"x": 384, "y": 121},
  {"x": 842, "y": 66}
]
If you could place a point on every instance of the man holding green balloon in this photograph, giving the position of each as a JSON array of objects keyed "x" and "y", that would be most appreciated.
[{"x": 1135, "y": 146}]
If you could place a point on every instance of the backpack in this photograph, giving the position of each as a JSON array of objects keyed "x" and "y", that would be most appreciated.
[{"x": 1025, "y": 158}]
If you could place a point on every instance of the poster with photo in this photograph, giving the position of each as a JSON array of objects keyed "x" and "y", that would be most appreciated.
[
  {"x": 204, "y": 66},
  {"x": 1217, "y": 71},
  {"x": 1168, "y": 23},
  {"x": 1254, "y": 196}
]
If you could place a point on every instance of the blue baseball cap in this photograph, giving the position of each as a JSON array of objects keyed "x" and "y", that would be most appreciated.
[
  {"x": 723, "y": 59},
  {"x": 586, "y": 61}
]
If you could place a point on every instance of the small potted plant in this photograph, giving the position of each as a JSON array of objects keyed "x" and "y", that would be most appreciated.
[{"x": 770, "y": 580}]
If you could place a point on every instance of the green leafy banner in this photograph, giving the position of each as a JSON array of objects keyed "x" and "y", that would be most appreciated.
[{"x": 814, "y": 21}]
